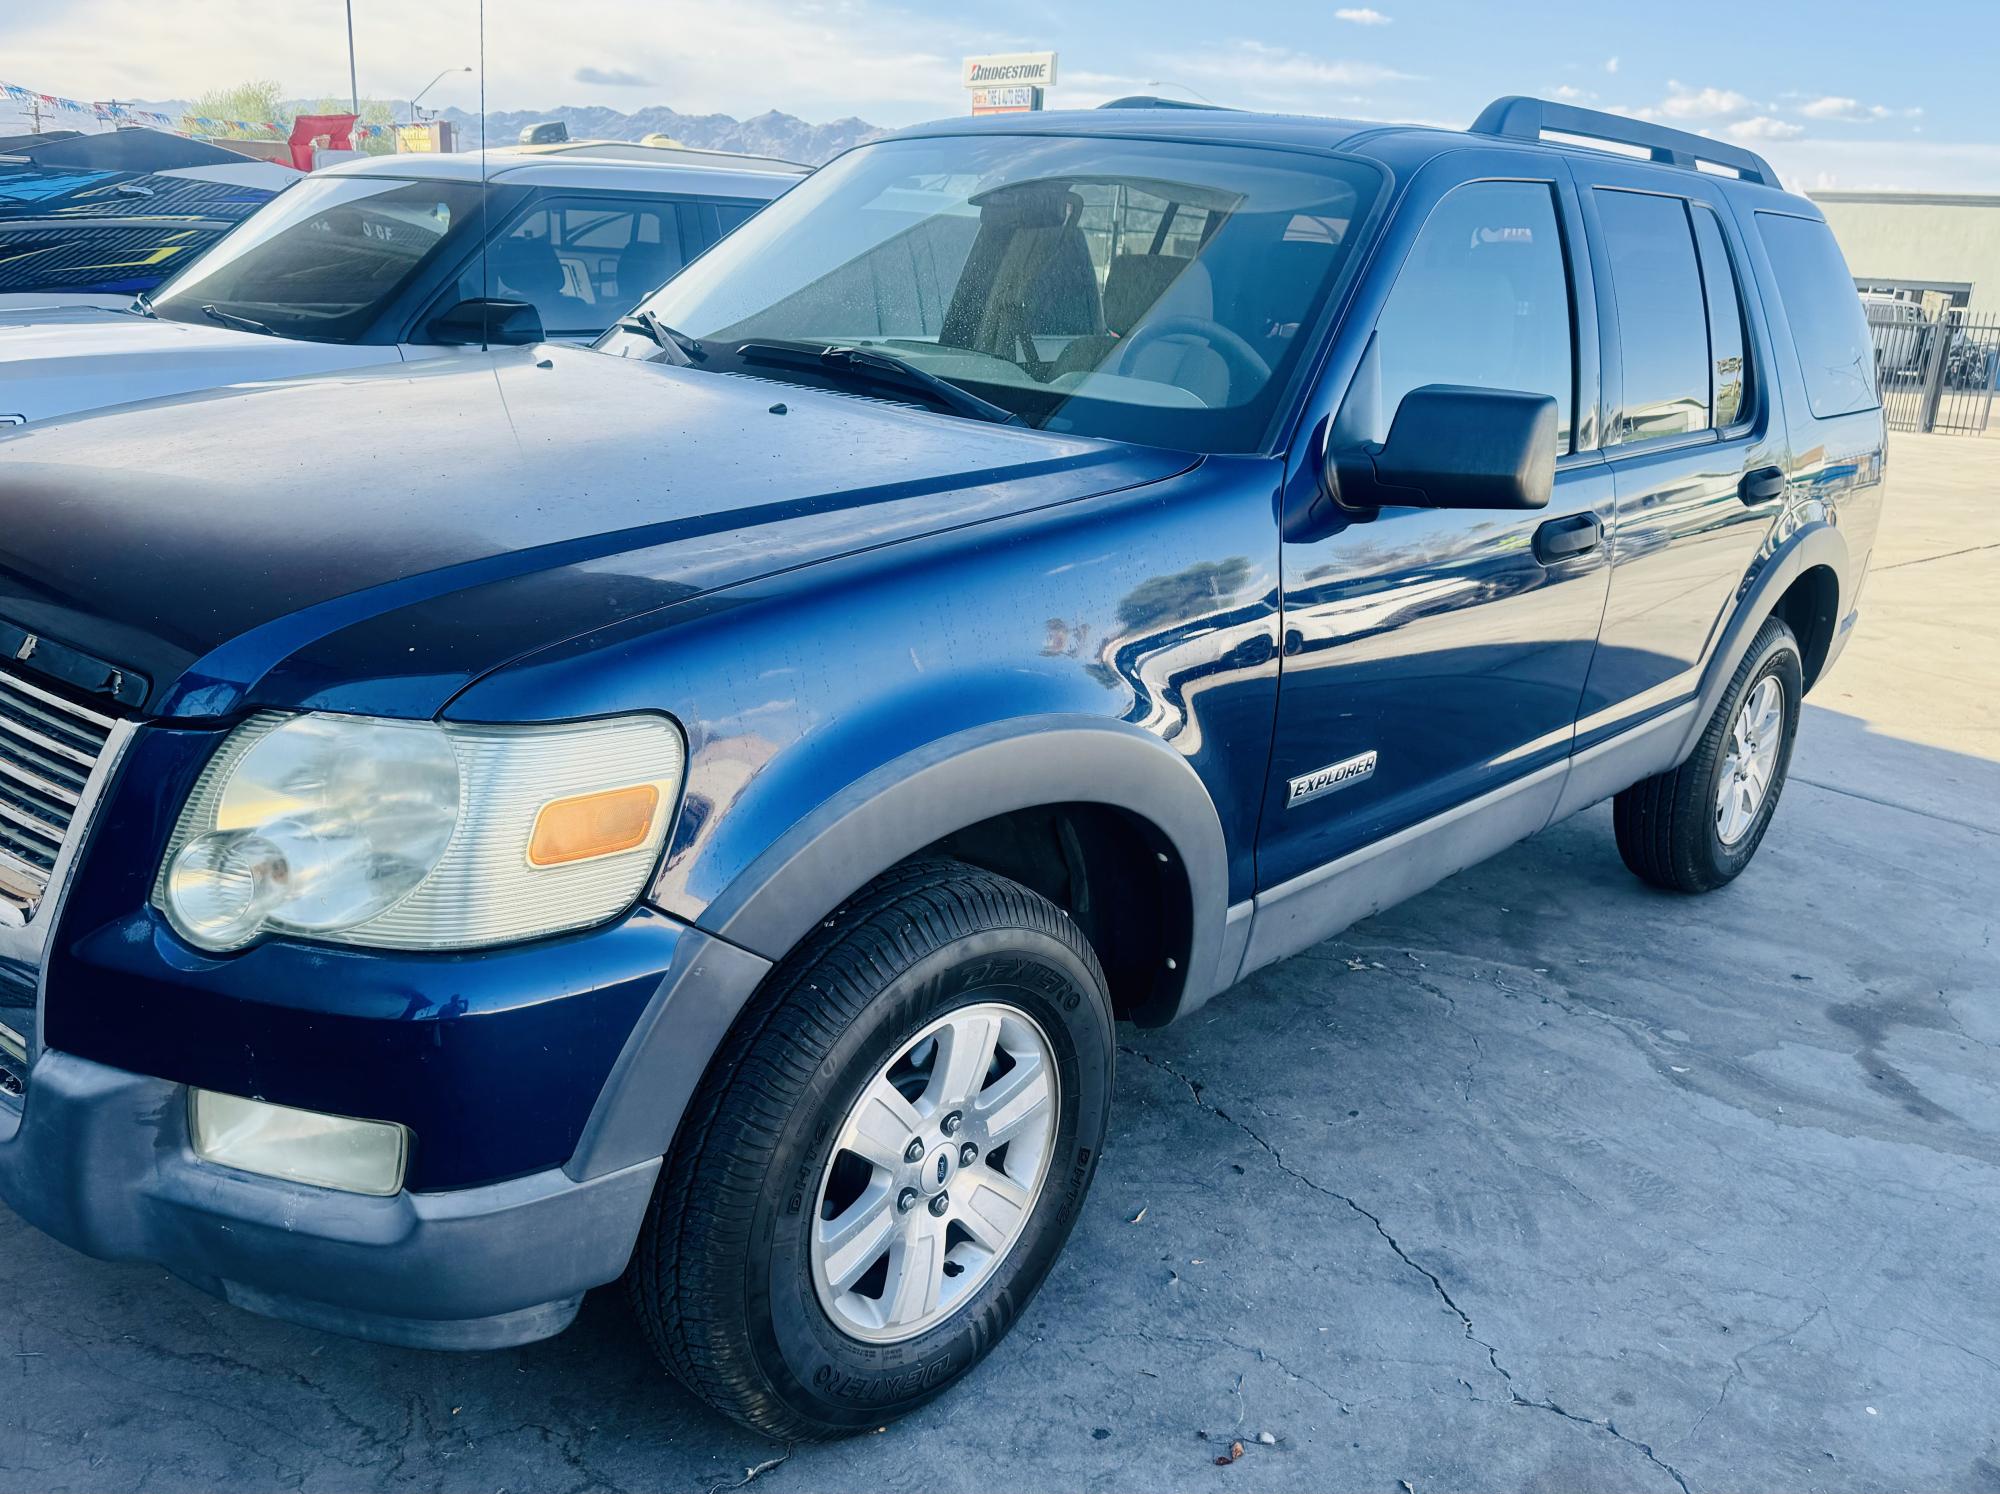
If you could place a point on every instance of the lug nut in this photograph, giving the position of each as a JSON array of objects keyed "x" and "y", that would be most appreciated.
[
  {"x": 940, "y": 1203},
  {"x": 967, "y": 1155},
  {"x": 914, "y": 1152},
  {"x": 951, "y": 1123},
  {"x": 906, "y": 1200}
]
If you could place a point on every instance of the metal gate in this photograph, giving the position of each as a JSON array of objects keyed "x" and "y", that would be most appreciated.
[{"x": 1936, "y": 373}]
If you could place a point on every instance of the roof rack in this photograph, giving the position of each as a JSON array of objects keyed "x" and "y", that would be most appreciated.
[
  {"x": 1518, "y": 118},
  {"x": 1152, "y": 101}
]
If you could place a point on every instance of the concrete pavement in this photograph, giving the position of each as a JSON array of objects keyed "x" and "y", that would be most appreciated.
[{"x": 1543, "y": 1180}]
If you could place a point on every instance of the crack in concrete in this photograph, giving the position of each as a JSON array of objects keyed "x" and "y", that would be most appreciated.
[
  {"x": 1927, "y": 559},
  {"x": 1736, "y": 1368},
  {"x": 1194, "y": 1089},
  {"x": 1927, "y": 814}
]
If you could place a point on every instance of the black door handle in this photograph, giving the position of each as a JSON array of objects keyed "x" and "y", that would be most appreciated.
[
  {"x": 1561, "y": 539},
  {"x": 1765, "y": 485}
]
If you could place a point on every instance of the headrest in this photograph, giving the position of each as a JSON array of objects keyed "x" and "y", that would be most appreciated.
[
  {"x": 1142, "y": 285},
  {"x": 528, "y": 265}
]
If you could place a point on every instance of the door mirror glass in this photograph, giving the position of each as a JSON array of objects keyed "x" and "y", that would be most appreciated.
[
  {"x": 1451, "y": 446},
  {"x": 486, "y": 321}
]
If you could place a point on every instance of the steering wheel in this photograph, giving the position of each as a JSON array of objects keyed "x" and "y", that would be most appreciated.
[{"x": 1247, "y": 368}]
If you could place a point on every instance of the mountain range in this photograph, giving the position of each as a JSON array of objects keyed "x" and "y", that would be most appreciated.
[{"x": 771, "y": 133}]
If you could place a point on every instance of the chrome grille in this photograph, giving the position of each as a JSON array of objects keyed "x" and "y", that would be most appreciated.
[{"x": 48, "y": 746}]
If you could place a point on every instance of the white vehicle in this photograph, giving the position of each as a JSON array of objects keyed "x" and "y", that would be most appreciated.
[{"x": 394, "y": 258}]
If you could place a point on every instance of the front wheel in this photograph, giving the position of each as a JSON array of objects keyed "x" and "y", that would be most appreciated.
[
  {"x": 885, "y": 1159},
  {"x": 1696, "y": 827}
]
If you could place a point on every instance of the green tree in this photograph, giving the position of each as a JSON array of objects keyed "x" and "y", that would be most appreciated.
[{"x": 253, "y": 103}]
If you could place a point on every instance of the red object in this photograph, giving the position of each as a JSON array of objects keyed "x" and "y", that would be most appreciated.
[{"x": 308, "y": 129}]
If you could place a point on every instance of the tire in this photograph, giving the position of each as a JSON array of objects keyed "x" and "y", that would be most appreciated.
[
  {"x": 1672, "y": 830},
  {"x": 725, "y": 1280}
]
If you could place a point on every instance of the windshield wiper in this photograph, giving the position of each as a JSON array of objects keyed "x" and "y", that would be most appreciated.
[
  {"x": 142, "y": 305},
  {"x": 232, "y": 319},
  {"x": 867, "y": 366},
  {"x": 682, "y": 350}
]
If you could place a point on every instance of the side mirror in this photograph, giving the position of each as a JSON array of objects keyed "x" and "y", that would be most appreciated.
[
  {"x": 483, "y": 320},
  {"x": 1451, "y": 446}
]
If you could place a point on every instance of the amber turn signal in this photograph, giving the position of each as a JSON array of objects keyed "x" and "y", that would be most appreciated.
[{"x": 590, "y": 825}]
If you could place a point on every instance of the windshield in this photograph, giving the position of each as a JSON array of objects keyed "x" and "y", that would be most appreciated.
[
  {"x": 320, "y": 260},
  {"x": 1141, "y": 290}
]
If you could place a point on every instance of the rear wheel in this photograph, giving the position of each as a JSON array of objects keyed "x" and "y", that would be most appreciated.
[
  {"x": 1695, "y": 828},
  {"x": 886, "y": 1158}
]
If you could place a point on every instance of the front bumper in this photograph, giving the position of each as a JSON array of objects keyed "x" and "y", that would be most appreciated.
[{"x": 99, "y": 1158}]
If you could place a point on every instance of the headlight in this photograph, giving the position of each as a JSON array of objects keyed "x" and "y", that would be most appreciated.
[{"x": 416, "y": 835}]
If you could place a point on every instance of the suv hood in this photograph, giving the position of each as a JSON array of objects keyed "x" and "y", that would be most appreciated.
[
  {"x": 62, "y": 360},
  {"x": 376, "y": 542}
]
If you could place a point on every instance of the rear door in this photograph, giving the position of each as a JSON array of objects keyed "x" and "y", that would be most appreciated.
[
  {"x": 1434, "y": 655},
  {"x": 1693, "y": 436}
]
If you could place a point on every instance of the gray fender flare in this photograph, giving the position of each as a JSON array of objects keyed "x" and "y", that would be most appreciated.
[
  {"x": 880, "y": 819},
  {"x": 1816, "y": 544}
]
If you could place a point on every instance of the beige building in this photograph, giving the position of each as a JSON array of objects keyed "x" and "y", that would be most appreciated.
[{"x": 1936, "y": 248}]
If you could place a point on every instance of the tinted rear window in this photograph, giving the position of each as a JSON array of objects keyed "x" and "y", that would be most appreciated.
[{"x": 1820, "y": 302}]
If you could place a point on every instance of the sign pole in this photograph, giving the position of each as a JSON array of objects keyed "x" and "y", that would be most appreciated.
[{"x": 353, "y": 87}]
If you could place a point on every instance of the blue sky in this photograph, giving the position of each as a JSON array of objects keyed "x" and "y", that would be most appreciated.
[{"x": 1838, "y": 94}]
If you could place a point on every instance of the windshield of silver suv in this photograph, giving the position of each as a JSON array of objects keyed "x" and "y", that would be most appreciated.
[
  {"x": 320, "y": 260},
  {"x": 1140, "y": 290}
]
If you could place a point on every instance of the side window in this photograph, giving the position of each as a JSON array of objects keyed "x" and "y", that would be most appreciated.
[
  {"x": 703, "y": 221},
  {"x": 1820, "y": 302},
  {"x": 731, "y": 216},
  {"x": 1662, "y": 316},
  {"x": 1484, "y": 300},
  {"x": 1729, "y": 371},
  {"x": 581, "y": 262}
]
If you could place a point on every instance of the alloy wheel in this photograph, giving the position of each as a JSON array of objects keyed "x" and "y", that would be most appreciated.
[{"x": 935, "y": 1173}]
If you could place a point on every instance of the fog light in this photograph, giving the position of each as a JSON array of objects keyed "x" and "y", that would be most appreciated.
[{"x": 301, "y": 1146}]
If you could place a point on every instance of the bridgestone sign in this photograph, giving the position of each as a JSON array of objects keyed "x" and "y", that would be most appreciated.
[{"x": 1032, "y": 69}]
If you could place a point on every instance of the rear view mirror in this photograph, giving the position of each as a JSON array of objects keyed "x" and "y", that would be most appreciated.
[
  {"x": 486, "y": 322},
  {"x": 1451, "y": 446}
]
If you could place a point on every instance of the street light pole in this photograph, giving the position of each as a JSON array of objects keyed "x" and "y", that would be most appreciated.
[
  {"x": 428, "y": 87},
  {"x": 353, "y": 87}
]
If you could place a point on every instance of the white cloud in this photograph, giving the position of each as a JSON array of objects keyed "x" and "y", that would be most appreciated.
[
  {"x": 1611, "y": 64},
  {"x": 1683, "y": 102},
  {"x": 1763, "y": 127},
  {"x": 1570, "y": 94},
  {"x": 1361, "y": 16},
  {"x": 819, "y": 60},
  {"x": 1261, "y": 76},
  {"x": 1834, "y": 106},
  {"x": 1885, "y": 165},
  {"x": 612, "y": 77}
]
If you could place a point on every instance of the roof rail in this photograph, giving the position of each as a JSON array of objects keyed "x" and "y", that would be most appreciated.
[
  {"x": 1152, "y": 101},
  {"x": 1518, "y": 118}
]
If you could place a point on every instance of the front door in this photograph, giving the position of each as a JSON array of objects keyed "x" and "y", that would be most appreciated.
[{"x": 1432, "y": 656}]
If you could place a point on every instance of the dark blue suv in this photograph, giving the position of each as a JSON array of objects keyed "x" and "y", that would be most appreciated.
[{"x": 692, "y": 810}]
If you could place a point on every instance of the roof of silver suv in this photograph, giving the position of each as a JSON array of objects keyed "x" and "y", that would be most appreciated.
[{"x": 610, "y": 164}]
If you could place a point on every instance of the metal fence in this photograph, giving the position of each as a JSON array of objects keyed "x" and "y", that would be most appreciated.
[{"x": 1937, "y": 373}]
